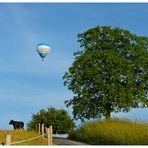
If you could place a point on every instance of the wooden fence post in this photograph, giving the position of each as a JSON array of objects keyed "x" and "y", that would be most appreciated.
[
  {"x": 36, "y": 128},
  {"x": 43, "y": 130},
  {"x": 8, "y": 140},
  {"x": 48, "y": 136},
  {"x": 39, "y": 128},
  {"x": 51, "y": 135},
  {"x": 46, "y": 130}
]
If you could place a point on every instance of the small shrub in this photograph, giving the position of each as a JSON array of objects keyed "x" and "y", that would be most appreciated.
[{"x": 58, "y": 118}]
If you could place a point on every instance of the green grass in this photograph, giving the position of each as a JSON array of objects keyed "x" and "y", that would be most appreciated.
[
  {"x": 18, "y": 135},
  {"x": 112, "y": 132}
]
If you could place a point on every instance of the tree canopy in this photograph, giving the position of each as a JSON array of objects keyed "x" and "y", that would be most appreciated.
[
  {"x": 58, "y": 118},
  {"x": 109, "y": 73}
]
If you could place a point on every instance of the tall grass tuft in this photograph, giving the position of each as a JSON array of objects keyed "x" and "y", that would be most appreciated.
[{"x": 112, "y": 132}]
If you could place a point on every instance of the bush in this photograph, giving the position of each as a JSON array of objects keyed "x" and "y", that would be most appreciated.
[{"x": 59, "y": 119}]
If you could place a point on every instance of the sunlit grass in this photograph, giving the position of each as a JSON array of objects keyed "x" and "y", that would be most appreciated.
[
  {"x": 112, "y": 132},
  {"x": 17, "y": 135}
]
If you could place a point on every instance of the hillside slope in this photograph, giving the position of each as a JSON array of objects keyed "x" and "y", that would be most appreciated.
[
  {"x": 18, "y": 135},
  {"x": 112, "y": 132}
]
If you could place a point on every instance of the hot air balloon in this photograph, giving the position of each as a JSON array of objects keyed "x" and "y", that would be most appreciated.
[{"x": 43, "y": 49}]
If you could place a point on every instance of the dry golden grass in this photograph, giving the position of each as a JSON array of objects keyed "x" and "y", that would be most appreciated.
[
  {"x": 17, "y": 135},
  {"x": 112, "y": 132}
]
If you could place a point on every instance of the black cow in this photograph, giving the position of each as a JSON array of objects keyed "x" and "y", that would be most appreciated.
[{"x": 17, "y": 124}]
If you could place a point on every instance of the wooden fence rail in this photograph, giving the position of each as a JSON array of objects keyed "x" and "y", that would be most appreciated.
[{"x": 42, "y": 130}]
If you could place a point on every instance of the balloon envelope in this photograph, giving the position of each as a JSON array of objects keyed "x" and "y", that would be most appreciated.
[{"x": 43, "y": 49}]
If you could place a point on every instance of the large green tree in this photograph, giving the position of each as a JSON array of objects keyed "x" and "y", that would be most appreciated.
[
  {"x": 109, "y": 73},
  {"x": 58, "y": 118}
]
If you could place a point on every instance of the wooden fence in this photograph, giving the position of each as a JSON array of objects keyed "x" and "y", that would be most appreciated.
[{"x": 43, "y": 132}]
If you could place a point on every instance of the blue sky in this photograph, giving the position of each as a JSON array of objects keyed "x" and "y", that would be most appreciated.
[{"x": 26, "y": 83}]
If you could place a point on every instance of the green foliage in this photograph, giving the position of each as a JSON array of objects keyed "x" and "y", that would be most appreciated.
[
  {"x": 58, "y": 118},
  {"x": 112, "y": 132},
  {"x": 109, "y": 74}
]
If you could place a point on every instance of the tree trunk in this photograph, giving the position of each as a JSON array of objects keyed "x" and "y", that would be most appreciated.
[
  {"x": 108, "y": 115},
  {"x": 108, "y": 109}
]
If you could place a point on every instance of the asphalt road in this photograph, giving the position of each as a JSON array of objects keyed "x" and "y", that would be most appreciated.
[{"x": 65, "y": 141}]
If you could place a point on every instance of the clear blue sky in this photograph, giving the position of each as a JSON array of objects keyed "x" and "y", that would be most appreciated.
[{"x": 26, "y": 83}]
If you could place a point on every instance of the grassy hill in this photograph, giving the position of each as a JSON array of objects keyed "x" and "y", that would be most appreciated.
[
  {"x": 18, "y": 135},
  {"x": 112, "y": 132}
]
